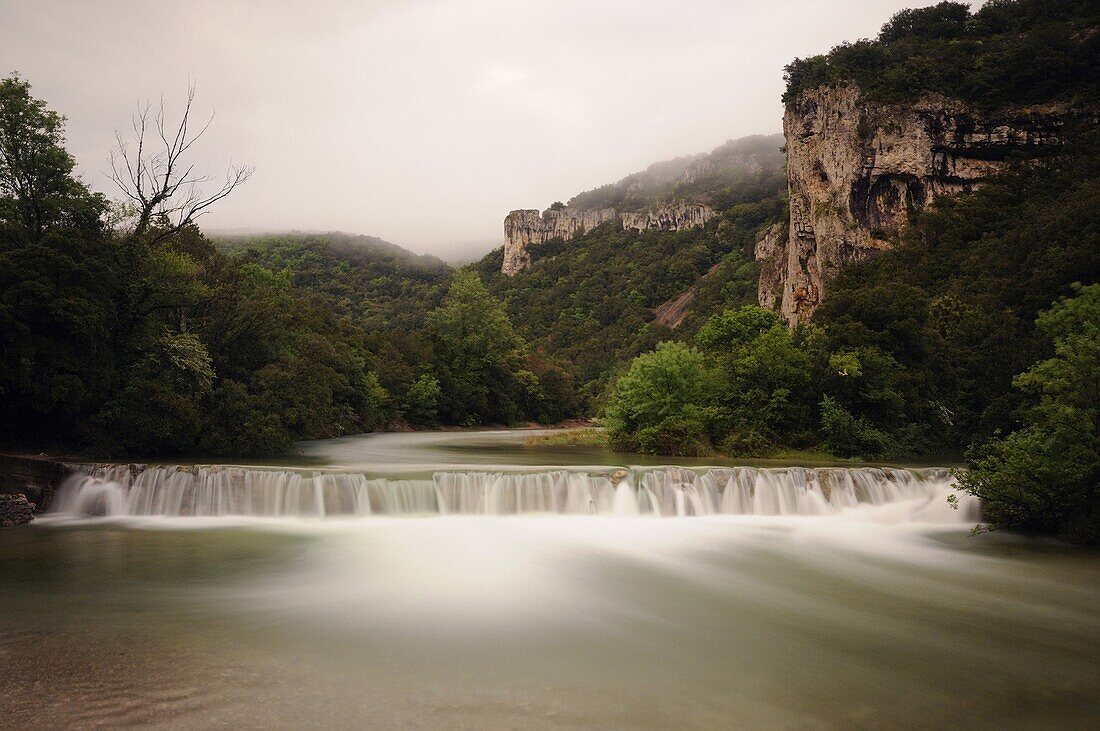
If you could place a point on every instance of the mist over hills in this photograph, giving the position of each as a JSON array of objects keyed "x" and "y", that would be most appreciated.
[{"x": 704, "y": 177}]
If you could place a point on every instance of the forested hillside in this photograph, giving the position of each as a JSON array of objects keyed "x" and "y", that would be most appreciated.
[
  {"x": 125, "y": 333},
  {"x": 978, "y": 322},
  {"x": 376, "y": 284},
  {"x": 592, "y": 301}
]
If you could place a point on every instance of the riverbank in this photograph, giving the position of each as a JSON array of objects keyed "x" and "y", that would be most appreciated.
[
  {"x": 591, "y": 436},
  {"x": 35, "y": 477}
]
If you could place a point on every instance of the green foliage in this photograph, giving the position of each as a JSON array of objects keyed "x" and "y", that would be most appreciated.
[
  {"x": 158, "y": 410},
  {"x": 940, "y": 325},
  {"x": 765, "y": 398},
  {"x": 1008, "y": 52},
  {"x": 735, "y": 329},
  {"x": 479, "y": 355},
  {"x": 377, "y": 285},
  {"x": 1046, "y": 476},
  {"x": 661, "y": 404},
  {"x": 848, "y": 436},
  {"x": 943, "y": 20},
  {"x": 152, "y": 343},
  {"x": 422, "y": 400},
  {"x": 38, "y": 190}
]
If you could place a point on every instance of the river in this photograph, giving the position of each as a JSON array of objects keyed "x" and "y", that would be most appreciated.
[{"x": 467, "y": 580}]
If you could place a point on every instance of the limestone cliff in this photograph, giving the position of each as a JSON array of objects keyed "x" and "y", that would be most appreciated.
[
  {"x": 672, "y": 217},
  {"x": 857, "y": 169},
  {"x": 672, "y": 195},
  {"x": 526, "y": 228}
]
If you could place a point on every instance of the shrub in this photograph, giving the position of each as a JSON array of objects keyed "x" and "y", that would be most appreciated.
[{"x": 663, "y": 398}]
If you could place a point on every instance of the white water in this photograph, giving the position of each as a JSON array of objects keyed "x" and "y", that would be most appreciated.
[
  {"x": 895, "y": 495},
  {"x": 512, "y": 595}
]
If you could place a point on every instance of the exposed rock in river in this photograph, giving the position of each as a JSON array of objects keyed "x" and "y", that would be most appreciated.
[
  {"x": 15, "y": 510},
  {"x": 856, "y": 169}
]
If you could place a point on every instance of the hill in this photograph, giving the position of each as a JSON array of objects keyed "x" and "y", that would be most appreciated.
[
  {"x": 375, "y": 283},
  {"x": 592, "y": 299}
]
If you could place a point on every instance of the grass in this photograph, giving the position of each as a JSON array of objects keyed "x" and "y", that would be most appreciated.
[{"x": 590, "y": 437}]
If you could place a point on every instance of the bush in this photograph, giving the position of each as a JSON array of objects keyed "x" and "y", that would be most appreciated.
[
  {"x": 679, "y": 436},
  {"x": 849, "y": 436},
  {"x": 1046, "y": 477},
  {"x": 661, "y": 403}
]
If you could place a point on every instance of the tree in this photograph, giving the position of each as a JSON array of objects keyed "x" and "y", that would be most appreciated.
[
  {"x": 1046, "y": 476},
  {"x": 944, "y": 20},
  {"x": 422, "y": 400},
  {"x": 766, "y": 389},
  {"x": 661, "y": 405},
  {"x": 478, "y": 353},
  {"x": 38, "y": 189},
  {"x": 159, "y": 410},
  {"x": 57, "y": 287},
  {"x": 152, "y": 171}
]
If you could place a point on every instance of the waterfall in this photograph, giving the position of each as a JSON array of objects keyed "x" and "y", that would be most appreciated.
[{"x": 196, "y": 491}]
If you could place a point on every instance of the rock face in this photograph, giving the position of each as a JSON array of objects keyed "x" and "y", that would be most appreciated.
[
  {"x": 526, "y": 228},
  {"x": 15, "y": 510},
  {"x": 672, "y": 313},
  {"x": 856, "y": 169},
  {"x": 673, "y": 217},
  {"x": 771, "y": 252},
  {"x": 36, "y": 478}
]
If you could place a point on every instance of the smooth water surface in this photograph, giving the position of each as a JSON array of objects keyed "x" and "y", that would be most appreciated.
[{"x": 882, "y": 613}]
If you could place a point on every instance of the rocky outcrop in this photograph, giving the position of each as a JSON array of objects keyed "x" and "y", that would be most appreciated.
[
  {"x": 15, "y": 510},
  {"x": 857, "y": 169},
  {"x": 672, "y": 313},
  {"x": 527, "y": 228},
  {"x": 673, "y": 217},
  {"x": 771, "y": 252},
  {"x": 35, "y": 477}
]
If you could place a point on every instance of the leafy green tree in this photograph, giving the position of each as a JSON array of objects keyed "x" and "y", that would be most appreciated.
[
  {"x": 846, "y": 435},
  {"x": 1046, "y": 476},
  {"x": 38, "y": 188},
  {"x": 765, "y": 380},
  {"x": 662, "y": 403},
  {"x": 422, "y": 400},
  {"x": 554, "y": 397},
  {"x": 158, "y": 412},
  {"x": 479, "y": 355},
  {"x": 57, "y": 285}
]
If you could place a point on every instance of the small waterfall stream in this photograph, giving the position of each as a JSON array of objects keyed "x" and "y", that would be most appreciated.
[{"x": 194, "y": 491}]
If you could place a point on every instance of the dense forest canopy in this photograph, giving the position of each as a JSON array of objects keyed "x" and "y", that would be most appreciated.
[
  {"x": 1009, "y": 52},
  {"x": 125, "y": 332}
]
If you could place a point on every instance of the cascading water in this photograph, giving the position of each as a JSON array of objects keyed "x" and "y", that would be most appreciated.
[{"x": 178, "y": 491}]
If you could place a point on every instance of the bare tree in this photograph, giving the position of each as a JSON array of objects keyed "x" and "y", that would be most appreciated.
[{"x": 152, "y": 171}]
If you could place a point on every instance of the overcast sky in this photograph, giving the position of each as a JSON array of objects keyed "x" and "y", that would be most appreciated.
[{"x": 423, "y": 122}]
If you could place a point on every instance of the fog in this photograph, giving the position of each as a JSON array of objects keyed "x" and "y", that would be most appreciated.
[{"x": 422, "y": 122}]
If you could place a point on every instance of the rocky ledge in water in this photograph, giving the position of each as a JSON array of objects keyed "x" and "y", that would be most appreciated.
[{"x": 15, "y": 510}]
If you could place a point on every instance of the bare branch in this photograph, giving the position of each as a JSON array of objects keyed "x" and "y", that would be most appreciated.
[{"x": 163, "y": 185}]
